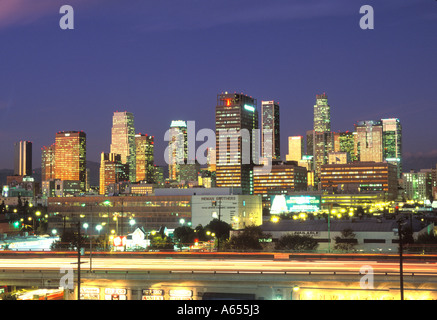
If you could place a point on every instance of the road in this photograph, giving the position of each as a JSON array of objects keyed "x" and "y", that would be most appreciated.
[{"x": 218, "y": 265}]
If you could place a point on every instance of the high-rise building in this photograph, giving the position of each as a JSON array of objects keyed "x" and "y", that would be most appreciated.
[
  {"x": 345, "y": 142},
  {"x": 70, "y": 156},
  {"x": 144, "y": 157},
  {"x": 392, "y": 142},
  {"x": 23, "y": 158},
  {"x": 322, "y": 144},
  {"x": 177, "y": 149},
  {"x": 48, "y": 163},
  {"x": 270, "y": 134},
  {"x": 296, "y": 148},
  {"x": 123, "y": 140},
  {"x": 418, "y": 186},
  {"x": 369, "y": 141},
  {"x": 112, "y": 171},
  {"x": 237, "y": 143},
  {"x": 322, "y": 114},
  {"x": 322, "y": 138}
]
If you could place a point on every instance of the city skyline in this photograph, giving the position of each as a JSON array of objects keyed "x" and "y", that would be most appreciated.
[{"x": 164, "y": 68}]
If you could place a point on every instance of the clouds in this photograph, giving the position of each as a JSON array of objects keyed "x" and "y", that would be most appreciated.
[{"x": 192, "y": 14}]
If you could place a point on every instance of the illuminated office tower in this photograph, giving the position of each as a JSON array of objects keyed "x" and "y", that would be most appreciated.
[
  {"x": 369, "y": 141},
  {"x": 123, "y": 140},
  {"x": 392, "y": 142},
  {"x": 345, "y": 142},
  {"x": 295, "y": 148},
  {"x": 23, "y": 158},
  {"x": 177, "y": 149},
  {"x": 111, "y": 171},
  {"x": 322, "y": 138},
  {"x": 70, "y": 156},
  {"x": 270, "y": 133},
  {"x": 237, "y": 144},
  {"x": 48, "y": 163},
  {"x": 322, "y": 114},
  {"x": 144, "y": 157}
]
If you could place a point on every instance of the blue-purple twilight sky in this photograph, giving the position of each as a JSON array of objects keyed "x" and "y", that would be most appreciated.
[{"x": 167, "y": 60}]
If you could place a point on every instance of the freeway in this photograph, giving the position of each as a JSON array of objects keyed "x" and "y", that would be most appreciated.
[{"x": 216, "y": 265}]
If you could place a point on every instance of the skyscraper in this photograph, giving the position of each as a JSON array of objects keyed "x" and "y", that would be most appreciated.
[
  {"x": 295, "y": 148},
  {"x": 123, "y": 140},
  {"x": 270, "y": 134},
  {"x": 322, "y": 114},
  {"x": 237, "y": 143},
  {"x": 70, "y": 156},
  {"x": 322, "y": 138},
  {"x": 369, "y": 141},
  {"x": 392, "y": 142},
  {"x": 111, "y": 171},
  {"x": 48, "y": 163},
  {"x": 177, "y": 148},
  {"x": 345, "y": 142},
  {"x": 144, "y": 157},
  {"x": 23, "y": 158}
]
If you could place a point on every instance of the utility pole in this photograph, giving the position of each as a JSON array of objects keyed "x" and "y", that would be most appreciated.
[
  {"x": 78, "y": 260},
  {"x": 219, "y": 217},
  {"x": 401, "y": 260}
]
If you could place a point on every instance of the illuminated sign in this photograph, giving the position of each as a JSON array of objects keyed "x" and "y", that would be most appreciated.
[
  {"x": 359, "y": 294},
  {"x": 120, "y": 241},
  {"x": 89, "y": 293},
  {"x": 249, "y": 108},
  {"x": 115, "y": 294},
  {"x": 153, "y": 294},
  {"x": 286, "y": 204},
  {"x": 180, "y": 294}
]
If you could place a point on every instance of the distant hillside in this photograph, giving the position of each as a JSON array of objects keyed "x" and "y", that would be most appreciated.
[{"x": 93, "y": 166}]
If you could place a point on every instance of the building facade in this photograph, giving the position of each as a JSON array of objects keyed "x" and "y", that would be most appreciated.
[
  {"x": 145, "y": 146},
  {"x": 23, "y": 158},
  {"x": 296, "y": 148},
  {"x": 48, "y": 163},
  {"x": 123, "y": 140},
  {"x": 361, "y": 176},
  {"x": 270, "y": 126},
  {"x": 177, "y": 149},
  {"x": 70, "y": 156},
  {"x": 237, "y": 147}
]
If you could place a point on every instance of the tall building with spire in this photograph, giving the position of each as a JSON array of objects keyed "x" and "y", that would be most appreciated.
[
  {"x": 237, "y": 144},
  {"x": 123, "y": 140}
]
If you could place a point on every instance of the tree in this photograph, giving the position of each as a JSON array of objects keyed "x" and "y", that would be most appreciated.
[
  {"x": 67, "y": 241},
  {"x": 347, "y": 240},
  {"x": 184, "y": 235},
  {"x": 220, "y": 228},
  {"x": 161, "y": 242},
  {"x": 247, "y": 239},
  {"x": 296, "y": 243}
]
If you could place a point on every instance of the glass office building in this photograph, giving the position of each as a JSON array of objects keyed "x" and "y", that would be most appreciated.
[
  {"x": 70, "y": 156},
  {"x": 123, "y": 140}
]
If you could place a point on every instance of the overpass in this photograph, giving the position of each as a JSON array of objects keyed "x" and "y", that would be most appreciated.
[{"x": 232, "y": 276}]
